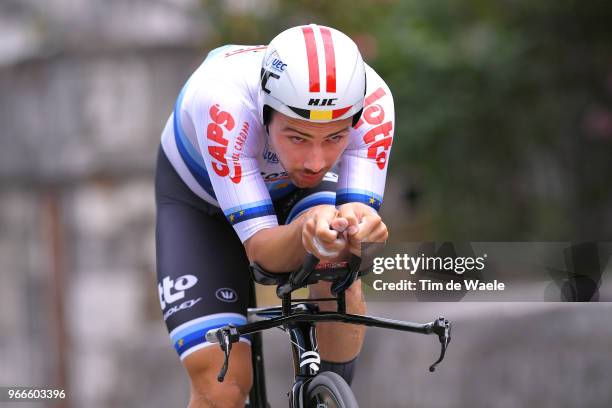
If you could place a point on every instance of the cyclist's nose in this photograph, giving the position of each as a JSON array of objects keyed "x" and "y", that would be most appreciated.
[{"x": 315, "y": 161}]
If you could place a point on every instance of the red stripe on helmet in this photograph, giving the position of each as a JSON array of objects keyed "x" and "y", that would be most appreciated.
[
  {"x": 339, "y": 112},
  {"x": 313, "y": 59},
  {"x": 330, "y": 60}
]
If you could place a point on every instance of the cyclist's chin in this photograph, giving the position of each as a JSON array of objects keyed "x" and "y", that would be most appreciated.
[{"x": 303, "y": 180}]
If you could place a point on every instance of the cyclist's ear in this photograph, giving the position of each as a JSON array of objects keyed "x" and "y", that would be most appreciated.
[{"x": 268, "y": 112}]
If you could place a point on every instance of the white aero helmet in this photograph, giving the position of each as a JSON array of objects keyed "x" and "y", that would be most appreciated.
[{"x": 313, "y": 73}]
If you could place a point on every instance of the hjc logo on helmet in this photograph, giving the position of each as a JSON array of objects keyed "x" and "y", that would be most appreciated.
[{"x": 322, "y": 102}]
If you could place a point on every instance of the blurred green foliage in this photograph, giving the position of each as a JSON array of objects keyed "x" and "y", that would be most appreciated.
[{"x": 503, "y": 108}]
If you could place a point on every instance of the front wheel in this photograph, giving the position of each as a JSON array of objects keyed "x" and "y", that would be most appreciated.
[{"x": 328, "y": 390}]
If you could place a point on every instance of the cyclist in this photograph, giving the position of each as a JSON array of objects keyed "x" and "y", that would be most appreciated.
[{"x": 271, "y": 152}]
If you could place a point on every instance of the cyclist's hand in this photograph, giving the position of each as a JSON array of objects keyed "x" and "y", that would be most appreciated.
[
  {"x": 363, "y": 225},
  {"x": 320, "y": 234}
]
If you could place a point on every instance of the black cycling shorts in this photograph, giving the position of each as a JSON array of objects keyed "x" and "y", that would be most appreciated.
[{"x": 202, "y": 267}]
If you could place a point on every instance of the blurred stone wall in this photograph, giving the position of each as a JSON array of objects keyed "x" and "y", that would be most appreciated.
[{"x": 86, "y": 89}]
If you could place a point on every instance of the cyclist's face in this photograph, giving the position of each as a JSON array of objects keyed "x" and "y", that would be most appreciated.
[{"x": 307, "y": 150}]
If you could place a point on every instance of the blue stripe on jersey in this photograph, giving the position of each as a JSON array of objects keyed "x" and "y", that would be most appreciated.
[
  {"x": 322, "y": 197},
  {"x": 208, "y": 321},
  {"x": 249, "y": 211},
  {"x": 197, "y": 337},
  {"x": 228, "y": 211},
  {"x": 193, "y": 152},
  {"x": 199, "y": 340},
  {"x": 196, "y": 334},
  {"x": 190, "y": 156},
  {"x": 353, "y": 195}
]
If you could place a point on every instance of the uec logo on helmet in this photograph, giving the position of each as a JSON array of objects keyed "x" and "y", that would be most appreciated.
[
  {"x": 275, "y": 62},
  {"x": 226, "y": 295}
]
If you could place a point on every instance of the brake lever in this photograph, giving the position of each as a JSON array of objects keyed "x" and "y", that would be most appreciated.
[
  {"x": 225, "y": 336},
  {"x": 442, "y": 328}
]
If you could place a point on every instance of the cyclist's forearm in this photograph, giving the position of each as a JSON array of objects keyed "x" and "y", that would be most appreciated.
[{"x": 277, "y": 249}]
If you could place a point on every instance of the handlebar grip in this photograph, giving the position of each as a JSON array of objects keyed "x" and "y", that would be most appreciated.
[{"x": 310, "y": 262}]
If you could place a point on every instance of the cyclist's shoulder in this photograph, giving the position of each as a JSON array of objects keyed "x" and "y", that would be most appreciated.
[
  {"x": 375, "y": 84},
  {"x": 230, "y": 65},
  {"x": 378, "y": 117},
  {"x": 227, "y": 79}
]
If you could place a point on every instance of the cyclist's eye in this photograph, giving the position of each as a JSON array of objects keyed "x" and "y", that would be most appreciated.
[
  {"x": 335, "y": 138},
  {"x": 297, "y": 139}
]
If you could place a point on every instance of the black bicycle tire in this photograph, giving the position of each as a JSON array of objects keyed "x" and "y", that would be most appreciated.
[{"x": 333, "y": 385}]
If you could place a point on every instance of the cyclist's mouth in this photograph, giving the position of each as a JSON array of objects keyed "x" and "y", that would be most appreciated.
[{"x": 311, "y": 177}]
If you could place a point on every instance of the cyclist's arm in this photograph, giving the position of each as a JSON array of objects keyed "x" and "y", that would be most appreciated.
[
  {"x": 282, "y": 248},
  {"x": 360, "y": 190},
  {"x": 277, "y": 249}
]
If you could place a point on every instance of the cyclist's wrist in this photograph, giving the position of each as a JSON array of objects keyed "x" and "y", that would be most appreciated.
[{"x": 323, "y": 209}]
